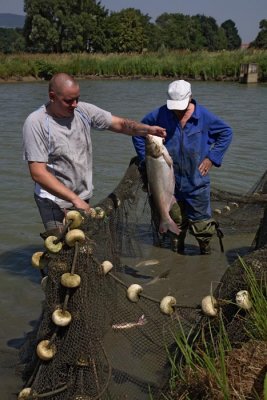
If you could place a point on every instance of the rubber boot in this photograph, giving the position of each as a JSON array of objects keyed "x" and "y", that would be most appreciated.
[
  {"x": 177, "y": 244},
  {"x": 203, "y": 231},
  {"x": 204, "y": 248},
  {"x": 178, "y": 215}
]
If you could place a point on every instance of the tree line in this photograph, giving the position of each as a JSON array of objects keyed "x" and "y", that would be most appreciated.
[{"x": 69, "y": 26}]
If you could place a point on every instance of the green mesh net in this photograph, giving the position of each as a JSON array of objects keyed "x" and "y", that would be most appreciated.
[{"x": 103, "y": 338}]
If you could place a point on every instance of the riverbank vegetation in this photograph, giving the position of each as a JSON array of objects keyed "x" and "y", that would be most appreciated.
[
  {"x": 202, "y": 65},
  {"x": 85, "y": 39},
  {"x": 209, "y": 364}
]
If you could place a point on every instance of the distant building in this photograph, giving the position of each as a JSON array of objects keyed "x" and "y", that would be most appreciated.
[
  {"x": 248, "y": 73},
  {"x": 244, "y": 46}
]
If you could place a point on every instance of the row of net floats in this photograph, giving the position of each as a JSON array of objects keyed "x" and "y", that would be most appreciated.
[{"x": 74, "y": 237}]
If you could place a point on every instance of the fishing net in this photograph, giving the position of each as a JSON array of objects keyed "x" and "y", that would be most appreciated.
[
  {"x": 240, "y": 213},
  {"x": 248, "y": 272},
  {"x": 115, "y": 338}
]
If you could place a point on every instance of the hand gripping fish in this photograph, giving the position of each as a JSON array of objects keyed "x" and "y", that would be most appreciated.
[{"x": 161, "y": 181}]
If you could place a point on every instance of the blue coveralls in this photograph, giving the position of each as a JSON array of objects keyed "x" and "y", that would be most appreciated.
[{"x": 204, "y": 136}]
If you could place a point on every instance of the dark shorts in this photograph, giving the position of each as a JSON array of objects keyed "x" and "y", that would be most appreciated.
[{"x": 52, "y": 215}]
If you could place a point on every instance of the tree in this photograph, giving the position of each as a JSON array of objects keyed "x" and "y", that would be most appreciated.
[
  {"x": 212, "y": 36},
  {"x": 174, "y": 30},
  {"x": 178, "y": 31},
  {"x": 231, "y": 32},
  {"x": 64, "y": 25},
  {"x": 261, "y": 39},
  {"x": 11, "y": 40},
  {"x": 127, "y": 31}
]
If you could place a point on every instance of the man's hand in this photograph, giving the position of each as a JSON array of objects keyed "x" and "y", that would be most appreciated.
[
  {"x": 81, "y": 204},
  {"x": 157, "y": 131},
  {"x": 205, "y": 166},
  {"x": 133, "y": 128}
]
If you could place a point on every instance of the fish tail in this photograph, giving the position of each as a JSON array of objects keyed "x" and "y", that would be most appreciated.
[
  {"x": 174, "y": 228},
  {"x": 169, "y": 225}
]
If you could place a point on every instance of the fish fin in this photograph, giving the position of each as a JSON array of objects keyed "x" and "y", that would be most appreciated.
[
  {"x": 142, "y": 320},
  {"x": 163, "y": 275},
  {"x": 167, "y": 158}
]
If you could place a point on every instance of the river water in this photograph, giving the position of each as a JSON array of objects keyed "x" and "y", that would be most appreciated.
[{"x": 242, "y": 106}]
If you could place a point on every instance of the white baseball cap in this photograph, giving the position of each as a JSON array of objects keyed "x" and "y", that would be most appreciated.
[{"x": 179, "y": 93}]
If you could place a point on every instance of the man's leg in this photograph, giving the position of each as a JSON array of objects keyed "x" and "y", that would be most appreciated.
[
  {"x": 201, "y": 224},
  {"x": 178, "y": 215},
  {"x": 203, "y": 231}
]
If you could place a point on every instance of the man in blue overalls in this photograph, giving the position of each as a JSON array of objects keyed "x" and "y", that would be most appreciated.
[{"x": 196, "y": 140}]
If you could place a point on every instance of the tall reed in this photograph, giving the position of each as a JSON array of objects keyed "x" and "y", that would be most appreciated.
[{"x": 163, "y": 64}]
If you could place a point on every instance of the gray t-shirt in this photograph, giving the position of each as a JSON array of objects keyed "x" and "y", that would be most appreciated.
[{"x": 65, "y": 145}]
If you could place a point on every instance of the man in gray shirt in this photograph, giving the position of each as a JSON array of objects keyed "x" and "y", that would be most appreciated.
[{"x": 57, "y": 145}]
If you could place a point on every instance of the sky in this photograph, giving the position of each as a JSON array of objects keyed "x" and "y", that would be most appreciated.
[{"x": 246, "y": 14}]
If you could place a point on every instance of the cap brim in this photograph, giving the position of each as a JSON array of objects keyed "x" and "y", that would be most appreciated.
[{"x": 177, "y": 105}]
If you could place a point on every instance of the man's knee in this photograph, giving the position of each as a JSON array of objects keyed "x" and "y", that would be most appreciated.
[
  {"x": 203, "y": 231},
  {"x": 203, "y": 228}
]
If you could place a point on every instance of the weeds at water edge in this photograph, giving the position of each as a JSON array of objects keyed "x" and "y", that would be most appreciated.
[{"x": 199, "y": 364}]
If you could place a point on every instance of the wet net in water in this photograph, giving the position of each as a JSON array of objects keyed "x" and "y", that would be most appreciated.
[{"x": 110, "y": 340}]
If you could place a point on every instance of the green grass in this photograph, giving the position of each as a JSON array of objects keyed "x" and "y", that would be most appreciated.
[
  {"x": 198, "y": 356},
  {"x": 190, "y": 65},
  {"x": 265, "y": 388}
]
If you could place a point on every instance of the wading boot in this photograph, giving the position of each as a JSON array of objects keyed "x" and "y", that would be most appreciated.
[
  {"x": 204, "y": 248},
  {"x": 177, "y": 245}
]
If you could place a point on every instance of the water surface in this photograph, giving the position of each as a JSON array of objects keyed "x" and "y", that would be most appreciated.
[{"x": 242, "y": 106}]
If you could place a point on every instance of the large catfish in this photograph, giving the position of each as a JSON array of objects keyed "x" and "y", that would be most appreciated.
[{"x": 161, "y": 181}]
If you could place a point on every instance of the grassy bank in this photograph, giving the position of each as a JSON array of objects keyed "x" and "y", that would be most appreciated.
[
  {"x": 201, "y": 65},
  {"x": 207, "y": 365}
]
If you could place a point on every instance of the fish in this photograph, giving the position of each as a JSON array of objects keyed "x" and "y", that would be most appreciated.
[
  {"x": 146, "y": 263},
  {"x": 161, "y": 182},
  {"x": 162, "y": 275},
  {"x": 128, "y": 325}
]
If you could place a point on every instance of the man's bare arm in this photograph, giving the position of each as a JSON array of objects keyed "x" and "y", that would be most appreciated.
[
  {"x": 51, "y": 184},
  {"x": 133, "y": 128}
]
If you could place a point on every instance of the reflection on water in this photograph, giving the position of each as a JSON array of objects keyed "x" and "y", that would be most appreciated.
[{"x": 240, "y": 105}]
